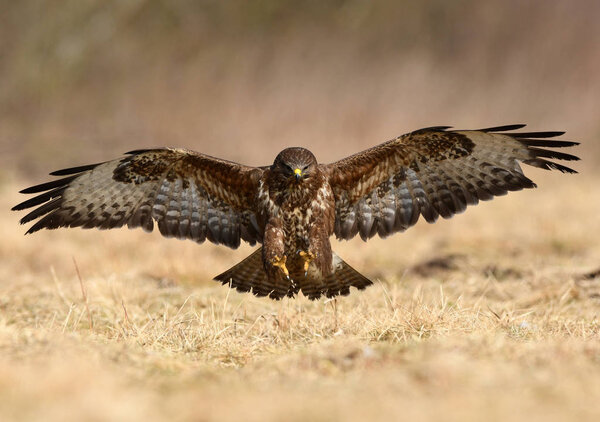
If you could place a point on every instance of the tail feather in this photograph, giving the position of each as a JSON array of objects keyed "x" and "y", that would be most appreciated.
[
  {"x": 342, "y": 278},
  {"x": 249, "y": 276}
]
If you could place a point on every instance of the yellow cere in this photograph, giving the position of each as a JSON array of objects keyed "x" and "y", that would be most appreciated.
[{"x": 298, "y": 171}]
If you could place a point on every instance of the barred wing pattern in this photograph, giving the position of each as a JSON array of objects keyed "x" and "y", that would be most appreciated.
[
  {"x": 189, "y": 195},
  {"x": 434, "y": 172}
]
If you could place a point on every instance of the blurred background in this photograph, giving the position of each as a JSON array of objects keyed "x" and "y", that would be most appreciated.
[{"x": 84, "y": 81}]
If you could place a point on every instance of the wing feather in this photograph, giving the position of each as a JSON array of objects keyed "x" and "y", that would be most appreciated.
[
  {"x": 435, "y": 172},
  {"x": 189, "y": 196}
]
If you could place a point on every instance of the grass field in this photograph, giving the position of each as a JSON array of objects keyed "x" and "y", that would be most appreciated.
[{"x": 492, "y": 315}]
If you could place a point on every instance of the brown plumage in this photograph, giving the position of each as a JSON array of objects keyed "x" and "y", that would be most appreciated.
[{"x": 293, "y": 206}]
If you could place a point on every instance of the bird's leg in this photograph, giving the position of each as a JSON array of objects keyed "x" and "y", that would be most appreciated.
[
  {"x": 280, "y": 263},
  {"x": 307, "y": 257}
]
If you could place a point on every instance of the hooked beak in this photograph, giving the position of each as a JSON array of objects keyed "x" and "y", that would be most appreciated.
[{"x": 298, "y": 174}]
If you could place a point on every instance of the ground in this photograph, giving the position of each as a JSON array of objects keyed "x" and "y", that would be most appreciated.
[{"x": 492, "y": 315}]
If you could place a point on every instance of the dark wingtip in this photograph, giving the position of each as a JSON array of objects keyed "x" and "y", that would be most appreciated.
[
  {"x": 504, "y": 128},
  {"x": 537, "y": 142},
  {"x": 30, "y": 189},
  {"x": 549, "y": 165},
  {"x": 50, "y": 185},
  {"x": 539, "y": 152},
  {"x": 74, "y": 170},
  {"x": 544, "y": 134},
  {"x": 35, "y": 228},
  {"x": 548, "y": 143},
  {"x": 434, "y": 128}
]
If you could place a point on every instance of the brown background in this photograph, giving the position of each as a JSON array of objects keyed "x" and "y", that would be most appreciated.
[{"x": 82, "y": 81}]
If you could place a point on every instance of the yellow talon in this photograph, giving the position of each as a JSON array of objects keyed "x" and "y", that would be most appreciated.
[
  {"x": 280, "y": 262},
  {"x": 307, "y": 257}
]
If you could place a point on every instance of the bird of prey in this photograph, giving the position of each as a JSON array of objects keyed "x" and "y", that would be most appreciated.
[{"x": 293, "y": 206}]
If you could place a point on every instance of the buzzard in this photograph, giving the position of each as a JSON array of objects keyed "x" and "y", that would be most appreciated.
[{"x": 293, "y": 206}]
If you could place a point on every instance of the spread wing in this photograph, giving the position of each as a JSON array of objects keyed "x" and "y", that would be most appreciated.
[
  {"x": 433, "y": 172},
  {"x": 189, "y": 195}
]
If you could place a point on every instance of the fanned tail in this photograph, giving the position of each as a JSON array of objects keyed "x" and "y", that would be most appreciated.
[{"x": 249, "y": 276}]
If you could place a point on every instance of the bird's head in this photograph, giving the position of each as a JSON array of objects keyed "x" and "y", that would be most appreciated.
[{"x": 295, "y": 165}]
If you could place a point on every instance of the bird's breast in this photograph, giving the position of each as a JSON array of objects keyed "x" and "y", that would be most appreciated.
[{"x": 299, "y": 209}]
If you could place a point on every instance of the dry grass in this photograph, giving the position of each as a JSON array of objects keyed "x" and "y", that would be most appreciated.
[{"x": 483, "y": 317}]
